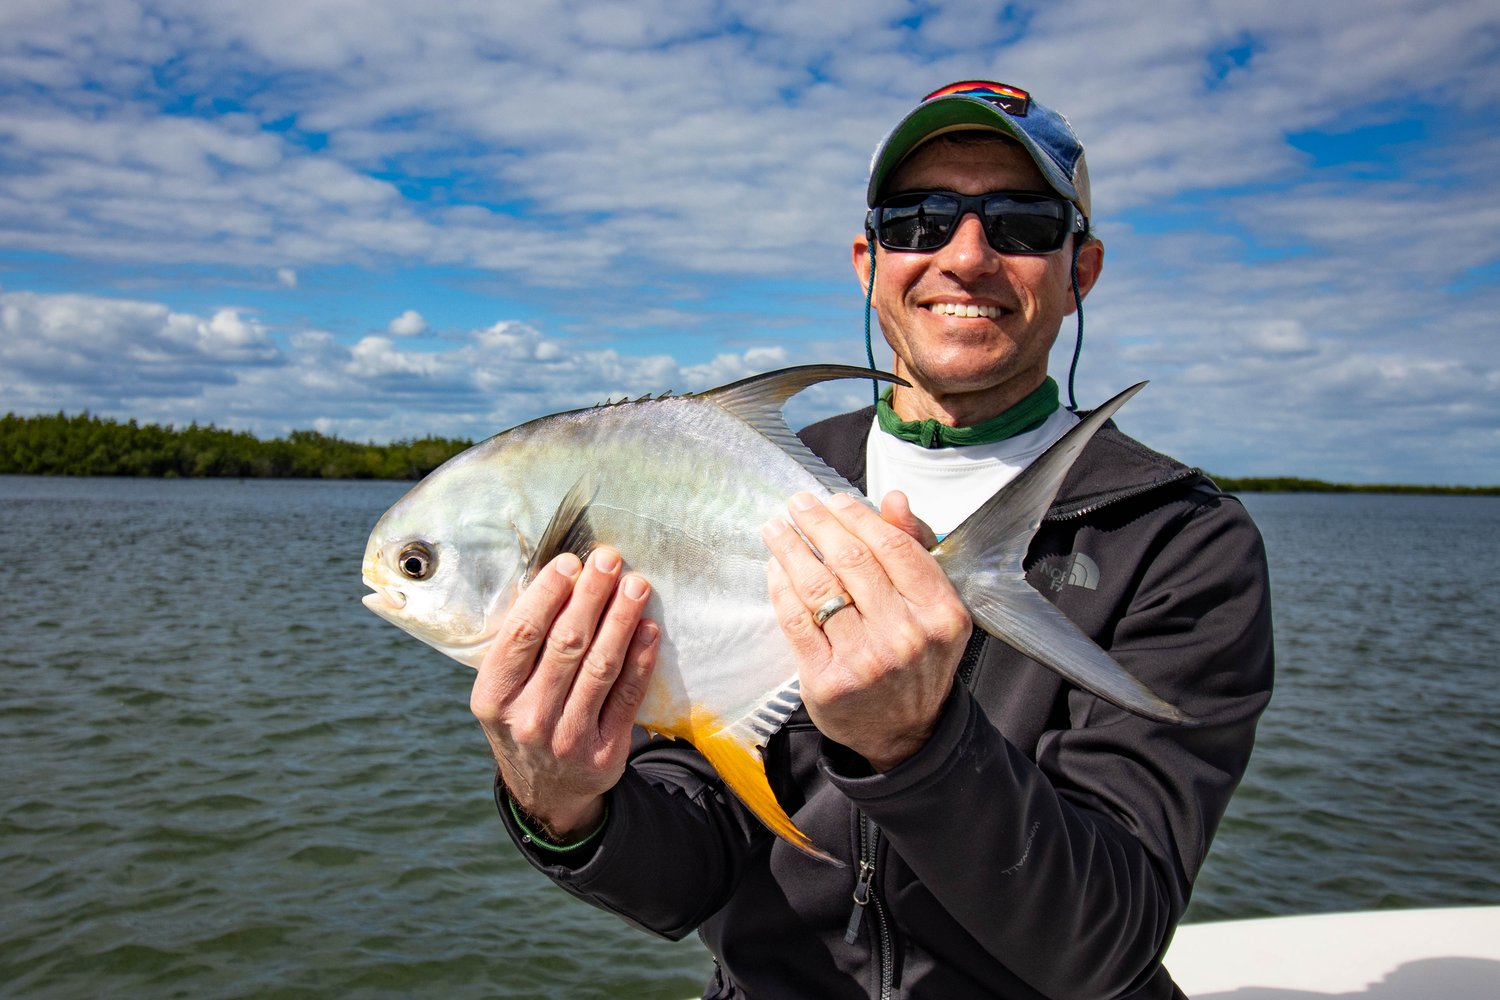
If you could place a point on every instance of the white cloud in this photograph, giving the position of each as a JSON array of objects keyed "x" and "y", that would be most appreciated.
[
  {"x": 409, "y": 324},
  {"x": 286, "y": 277},
  {"x": 1285, "y": 336},
  {"x": 130, "y": 358},
  {"x": 666, "y": 151}
]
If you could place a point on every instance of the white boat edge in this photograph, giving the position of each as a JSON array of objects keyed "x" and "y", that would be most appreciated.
[
  {"x": 1420, "y": 954},
  {"x": 1450, "y": 953}
]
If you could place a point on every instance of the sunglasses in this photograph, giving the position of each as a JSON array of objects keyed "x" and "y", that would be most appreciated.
[{"x": 1021, "y": 222}]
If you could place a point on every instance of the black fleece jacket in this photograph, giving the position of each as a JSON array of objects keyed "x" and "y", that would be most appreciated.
[{"x": 1044, "y": 843}]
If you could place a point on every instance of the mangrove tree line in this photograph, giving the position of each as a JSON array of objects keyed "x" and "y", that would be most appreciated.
[{"x": 87, "y": 445}]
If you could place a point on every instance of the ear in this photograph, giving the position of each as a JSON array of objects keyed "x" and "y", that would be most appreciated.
[
  {"x": 1090, "y": 263},
  {"x": 860, "y": 256}
]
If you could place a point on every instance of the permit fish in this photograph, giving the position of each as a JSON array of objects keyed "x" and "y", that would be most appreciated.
[{"x": 681, "y": 485}]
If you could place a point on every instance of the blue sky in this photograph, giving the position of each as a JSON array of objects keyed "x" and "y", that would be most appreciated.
[{"x": 382, "y": 221}]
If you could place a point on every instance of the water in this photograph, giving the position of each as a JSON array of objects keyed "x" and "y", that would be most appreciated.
[
  {"x": 224, "y": 778},
  {"x": 1376, "y": 776}
]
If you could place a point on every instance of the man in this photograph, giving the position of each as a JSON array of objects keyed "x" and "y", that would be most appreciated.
[{"x": 1004, "y": 833}]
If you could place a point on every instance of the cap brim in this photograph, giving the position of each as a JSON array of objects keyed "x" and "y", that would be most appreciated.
[{"x": 948, "y": 114}]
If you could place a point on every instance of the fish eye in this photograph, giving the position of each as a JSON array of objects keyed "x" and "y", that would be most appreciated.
[{"x": 416, "y": 561}]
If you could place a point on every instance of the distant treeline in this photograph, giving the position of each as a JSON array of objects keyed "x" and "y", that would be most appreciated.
[
  {"x": 1290, "y": 484},
  {"x": 86, "y": 445}
]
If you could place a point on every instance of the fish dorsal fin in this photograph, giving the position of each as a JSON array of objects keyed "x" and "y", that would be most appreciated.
[
  {"x": 568, "y": 531},
  {"x": 984, "y": 555},
  {"x": 758, "y": 400}
]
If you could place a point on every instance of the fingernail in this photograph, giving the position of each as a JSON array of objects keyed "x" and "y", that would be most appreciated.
[
  {"x": 842, "y": 500},
  {"x": 804, "y": 501},
  {"x": 605, "y": 560},
  {"x": 634, "y": 587},
  {"x": 648, "y": 633},
  {"x": 568, "y": 565},
  {"x": 774, "y": 527}
]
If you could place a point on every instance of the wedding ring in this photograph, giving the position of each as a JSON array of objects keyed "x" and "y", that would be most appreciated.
[{"x": 831, "y": 607}]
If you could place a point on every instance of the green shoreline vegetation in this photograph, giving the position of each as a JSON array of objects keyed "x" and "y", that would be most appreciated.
[{"x": 87, "y": 445}]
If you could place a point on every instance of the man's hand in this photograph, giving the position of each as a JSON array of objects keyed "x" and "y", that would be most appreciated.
[
  {"x": 875, "y": 676},
  {"x": 558, "y": 691}
]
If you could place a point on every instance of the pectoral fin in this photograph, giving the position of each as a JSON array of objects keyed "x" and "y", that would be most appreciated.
[{"x": 568, "y": 531}]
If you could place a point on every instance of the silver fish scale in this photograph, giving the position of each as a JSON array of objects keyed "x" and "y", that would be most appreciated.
[{"x": 683, "y": 489}]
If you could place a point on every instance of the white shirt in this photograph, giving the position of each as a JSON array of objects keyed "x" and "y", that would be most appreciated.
[{"x": 946, "y": 485}]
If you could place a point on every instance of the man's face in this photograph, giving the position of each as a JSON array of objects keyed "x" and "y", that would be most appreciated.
[{"x": 968, "y": 364}]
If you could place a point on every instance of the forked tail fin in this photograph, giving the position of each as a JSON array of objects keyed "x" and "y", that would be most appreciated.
[{"x": 983, "y": 557}]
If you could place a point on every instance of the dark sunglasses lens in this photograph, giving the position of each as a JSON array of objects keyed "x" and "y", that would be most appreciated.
[
  {"x": 1014, "y": 223},
  {"x": 916, "y": 222},
  {"x": 1024, "y": 225}
]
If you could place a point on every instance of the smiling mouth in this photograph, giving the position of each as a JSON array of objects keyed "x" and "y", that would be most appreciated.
[{"x": 964, "y": 310}]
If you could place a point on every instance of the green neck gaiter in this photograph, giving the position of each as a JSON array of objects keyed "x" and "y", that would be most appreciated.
[{"x": 1026, "y": 415}]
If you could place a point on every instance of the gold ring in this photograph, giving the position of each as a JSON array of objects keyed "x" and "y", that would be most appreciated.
[{"x": 831, "y": 607}]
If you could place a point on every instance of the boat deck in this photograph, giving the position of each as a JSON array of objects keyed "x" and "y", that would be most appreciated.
[{"x": 1439, "y": 954}]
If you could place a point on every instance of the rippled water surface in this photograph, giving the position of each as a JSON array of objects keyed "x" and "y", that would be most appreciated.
[
  {"x": 1376, "y": 775},
  {"x": 223, "y": 777}
]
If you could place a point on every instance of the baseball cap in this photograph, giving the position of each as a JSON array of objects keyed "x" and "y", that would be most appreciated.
[{"x": 984, "y": 104}]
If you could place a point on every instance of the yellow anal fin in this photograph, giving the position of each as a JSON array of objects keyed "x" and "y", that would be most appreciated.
[{"x": 739, "y": 763}]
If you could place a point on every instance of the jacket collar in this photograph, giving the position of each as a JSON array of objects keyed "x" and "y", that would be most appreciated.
[{"x": 1113, "y": 466}]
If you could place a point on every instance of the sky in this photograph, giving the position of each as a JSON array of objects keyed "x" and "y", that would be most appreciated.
[{"x": 383, "y": 220}]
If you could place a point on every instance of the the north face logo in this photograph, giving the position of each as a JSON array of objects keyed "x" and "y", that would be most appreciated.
[{"x": 1075, "y": 570}]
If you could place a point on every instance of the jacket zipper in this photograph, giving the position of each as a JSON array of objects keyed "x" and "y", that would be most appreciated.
[
  {"x": 970, "y": 658},
  {"x": 865, "y": 897},
  {"x": 1069, "y": 513}
]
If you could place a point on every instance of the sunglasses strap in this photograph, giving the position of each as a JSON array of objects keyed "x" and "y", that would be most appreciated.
[
  {"x": 869, "y": 295},
  {"x": 1078, "y": 339}
]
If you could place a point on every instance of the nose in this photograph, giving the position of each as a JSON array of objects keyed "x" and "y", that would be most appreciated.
[{"x": 968, "y": 251}]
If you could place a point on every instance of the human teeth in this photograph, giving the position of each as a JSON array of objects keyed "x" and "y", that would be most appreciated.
[{"x": 969, "y": 311}]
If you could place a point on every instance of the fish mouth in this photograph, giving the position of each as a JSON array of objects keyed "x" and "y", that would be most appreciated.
[{"x": 383, "y": 599}]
